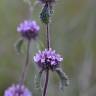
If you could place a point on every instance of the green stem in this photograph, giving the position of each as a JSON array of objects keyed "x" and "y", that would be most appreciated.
[
  {"x": 48, "y": 36},
  {"x": 24, "y": 72},
  {"x": 48, "y": 46}
]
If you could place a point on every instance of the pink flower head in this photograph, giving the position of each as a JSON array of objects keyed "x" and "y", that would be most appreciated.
[
  {"x": 17, "y": 90},
  {"x": 28, "y": 29},
  {"x": 47, "y": 59}
]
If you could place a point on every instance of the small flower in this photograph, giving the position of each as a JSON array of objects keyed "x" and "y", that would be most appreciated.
[
  {"x": 47, "y": 1},
  {"x": 48, "y": 59},
  {"x": 28, "y": 29},
  {"x": 17, "y": 90}
]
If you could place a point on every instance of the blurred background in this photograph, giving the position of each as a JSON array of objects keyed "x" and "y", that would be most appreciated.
[{"x": 73, "y": 34}]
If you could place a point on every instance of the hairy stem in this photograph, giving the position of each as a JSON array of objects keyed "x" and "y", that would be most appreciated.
[
  {"x": 47, "y": 70},
  {"x": 24, "y": 72},
  {"x": 46, "y": 82},
  {"x": 48, "y": 30},
  {"x": 47, "y": 36},
  {"x": 48, "y": 46}
]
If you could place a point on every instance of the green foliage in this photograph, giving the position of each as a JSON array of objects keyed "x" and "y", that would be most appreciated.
[
  {"x": 63, "y": 77},
  {"x": 37, "y": 80},
  {"x": 18, "y": 45}
]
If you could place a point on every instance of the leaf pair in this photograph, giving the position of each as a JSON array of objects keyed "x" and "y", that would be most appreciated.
[{"x": 64, "y": 81}]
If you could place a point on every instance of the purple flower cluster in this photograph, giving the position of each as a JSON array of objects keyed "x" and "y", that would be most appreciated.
[
  {"x": 48, "y": 59},
  {"x": 17, "y": 90},
  {"x": 28, "y": 29},
  {"x": 47, "y": 1}
]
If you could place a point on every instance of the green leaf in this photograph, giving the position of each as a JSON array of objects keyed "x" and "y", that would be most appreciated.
[
  {"x": 37, "y": 80},
  {"x": 63, "y": 77},
  {"x": 18, "y": 45}
]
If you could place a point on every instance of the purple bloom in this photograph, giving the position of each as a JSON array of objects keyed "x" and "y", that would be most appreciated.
[
  {"x": 48, "y": 59},
  {"x": 28, "y": 29},
  {"x": 17, "y": 90},
  {"x": 47, "y": 1}
]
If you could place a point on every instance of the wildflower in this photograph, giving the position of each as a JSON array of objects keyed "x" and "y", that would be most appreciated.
[
  {"x": 17, "y": 90},
  {"x": 28, "y": 29},
  {"x": 48, "y": 59}
]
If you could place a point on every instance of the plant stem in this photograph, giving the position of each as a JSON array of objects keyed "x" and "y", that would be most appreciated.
[
  {"x": 47, "y": 36},
  {"x": 48, "y": 46},
  {"x": 24, "y": 72},
  {"x": 47, "y": 70},
  {"x": 46, "y": 82}
]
